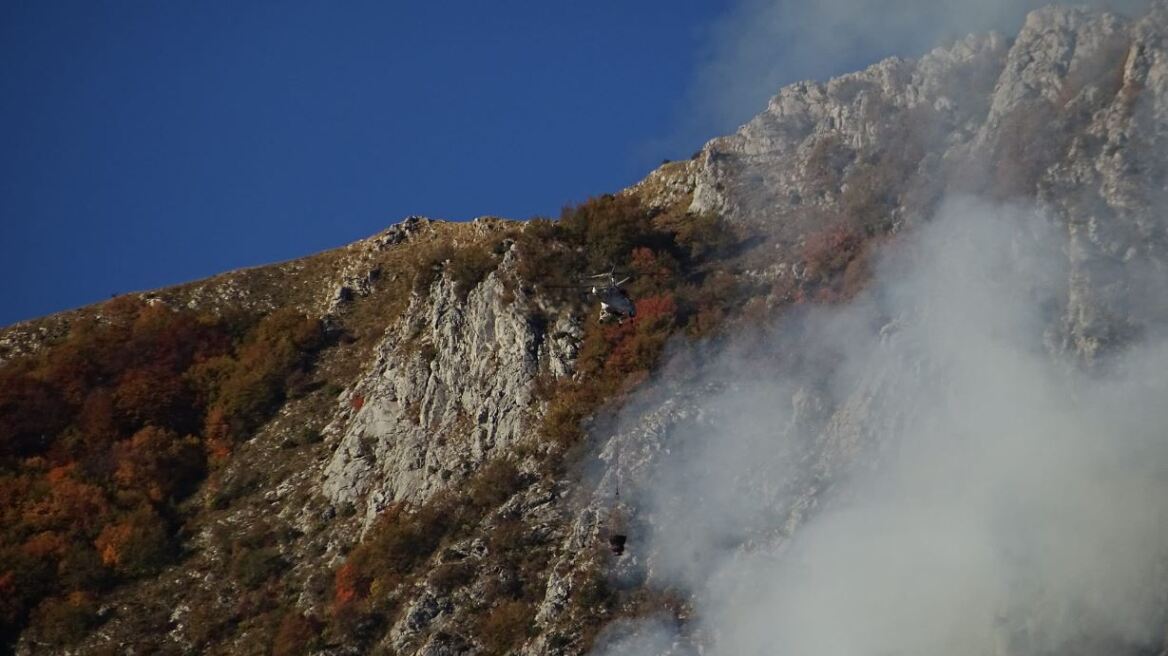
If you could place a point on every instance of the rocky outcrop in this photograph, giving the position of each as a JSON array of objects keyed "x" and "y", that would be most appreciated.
[
  {"x": 451, "y": 383},
  {"x": 794, "y": 156}
]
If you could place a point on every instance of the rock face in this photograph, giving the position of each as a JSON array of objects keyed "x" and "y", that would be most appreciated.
[
  {"x": 1070, "y": 114},
  {"x": 451, "y": 383},
  {"x": 793, "y": 156}
]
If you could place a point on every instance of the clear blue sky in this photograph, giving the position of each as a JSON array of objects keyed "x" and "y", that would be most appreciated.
[{"x": 149, "y": 143}]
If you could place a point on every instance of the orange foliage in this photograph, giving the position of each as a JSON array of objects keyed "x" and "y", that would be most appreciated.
[
  {"x": 61, "y": 620},
  {"x": 837, "y": 265},
  {"x": 99, "y": 439},
  {"x": 645, "y": 263},
  {"x": 46, "y": 544},
  {"x": 97, "y": 419},
  {"x": 158, "y": 463},
  {"x": 217, "y": 435},
  {"x": 350, "y": 586},
  {"x": 152, "y": 395},
  {"x": 70, "y": 505},
  {"x": 829, "y": 251},
  {"x": 654, "y": 311},
  {"x": 112, "y": 537},
  {"x": 135, "y": 545},
  {"x": 638, "y": 342}
]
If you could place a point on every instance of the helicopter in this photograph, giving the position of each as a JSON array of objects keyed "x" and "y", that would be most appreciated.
[{"x": 614, "y": 301}]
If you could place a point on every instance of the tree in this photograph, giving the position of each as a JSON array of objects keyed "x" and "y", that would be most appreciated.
[{"x": 135, "y": 545}]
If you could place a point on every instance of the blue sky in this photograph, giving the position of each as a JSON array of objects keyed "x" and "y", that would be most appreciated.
[{"x": 150, "y": 143}]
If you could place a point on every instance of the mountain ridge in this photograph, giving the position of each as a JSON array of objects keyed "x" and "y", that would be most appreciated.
[{"x": 414, "y": 500}]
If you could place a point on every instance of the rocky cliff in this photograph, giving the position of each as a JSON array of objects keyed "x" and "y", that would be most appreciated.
[{"x": 473, "y": 440}]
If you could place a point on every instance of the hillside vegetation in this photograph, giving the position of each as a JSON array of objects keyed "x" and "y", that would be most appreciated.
[{"x": 417, "y": 443}]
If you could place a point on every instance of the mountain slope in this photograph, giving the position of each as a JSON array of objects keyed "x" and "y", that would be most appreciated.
[{"x": 445, "y": 472}]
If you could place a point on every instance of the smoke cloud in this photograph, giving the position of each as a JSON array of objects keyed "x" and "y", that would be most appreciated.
[{"x": 918, "y": 472}]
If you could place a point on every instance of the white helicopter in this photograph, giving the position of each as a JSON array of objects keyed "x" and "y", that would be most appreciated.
[
  {"x": 614, "y": 301},
  {"x": 615, "y": 304}
]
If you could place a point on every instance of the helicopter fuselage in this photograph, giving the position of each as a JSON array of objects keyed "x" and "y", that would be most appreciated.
[{"x": 614, "y": 302}]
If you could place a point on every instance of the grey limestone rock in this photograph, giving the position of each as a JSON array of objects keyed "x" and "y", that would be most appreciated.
[{"x": 452, "y": 383}]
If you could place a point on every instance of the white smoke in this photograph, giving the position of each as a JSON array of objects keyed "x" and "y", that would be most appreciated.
[{"x": 920, "y": 472}]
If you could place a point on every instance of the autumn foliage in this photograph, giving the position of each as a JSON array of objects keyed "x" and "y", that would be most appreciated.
[
  {"x": 679, "y": 284},
  {"x": 103, "y": 434}
]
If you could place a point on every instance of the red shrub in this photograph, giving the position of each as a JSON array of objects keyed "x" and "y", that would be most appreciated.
[
  {"x": 829, "y": 251},
  {"x": 653, "y": 310},
  {"x": 349, "y": 586}
]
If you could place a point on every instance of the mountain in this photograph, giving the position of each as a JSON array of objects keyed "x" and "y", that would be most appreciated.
[{"x": 892, "y": 386}]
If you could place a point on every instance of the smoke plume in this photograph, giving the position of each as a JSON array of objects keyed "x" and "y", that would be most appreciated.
[{"x": 921, "y": 471}]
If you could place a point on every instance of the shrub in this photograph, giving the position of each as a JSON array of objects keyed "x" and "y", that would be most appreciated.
[
  {"x": 469, "y": 266},
  {"x": 296, "y": 634},
  {"x": 253, "y": 386},
  {"x": 1105, "y": 72},
  {"x": 158, "y": 464},
  {"x": 350, "y": 585},
  {"x": 450, "y": 576},
  {"x": 304, "y": 437},
  {"x": 872, "y": 193},
  {"x": 608, "y": 227},
  {"x": 826, "y": 162},
  {"x": 429, "y": 264},
  {"x": 569, "y": 406},
  {"x": 495, "y": 482},
  {"x": 155, "y": 395},
  {"x": 61, "y": 621},
  {"x": 704, "y": 236},
  {"x": 506, "y": 626},
  {"x": 31, "y": 412},
  {"x": 136, "y": 545},
  {"x": 592, "y": 589},
  {"x": 253, "y": 567},
  {"x": 828, "y": 252},
  {"x": 400, "y": 541}
]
